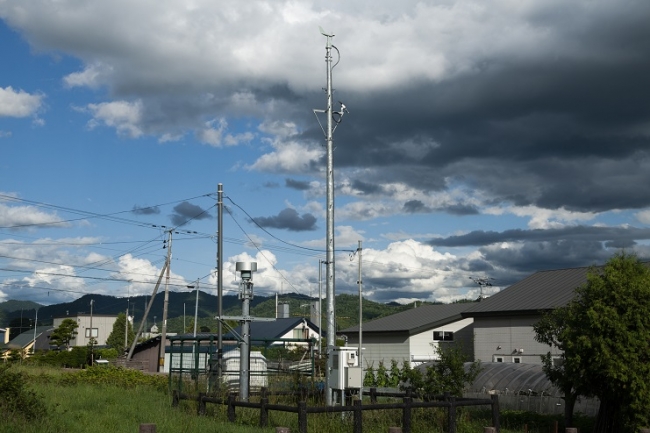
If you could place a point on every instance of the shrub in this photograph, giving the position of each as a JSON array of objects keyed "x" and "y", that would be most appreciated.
[{"x": 16, "y": 400}]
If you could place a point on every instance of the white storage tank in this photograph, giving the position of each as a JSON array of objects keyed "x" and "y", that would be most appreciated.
[{"x": 258, "y": 370}]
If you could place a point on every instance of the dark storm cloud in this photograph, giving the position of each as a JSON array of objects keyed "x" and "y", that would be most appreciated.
[
  {"x": 296, "y": 184},
  {"x": 415, "y": 206},
  {"x": 290, "y": 220},
  {"x": 560, "y": 132},
  {"x": 537, "y": 256},
  {"x": 367, "y": 187},
  {"x": 152, "y": 210},
  {"x": 186, "y": 212},
  {"x": 461, "y": 209},
  {"x": 621, "y": 235}
]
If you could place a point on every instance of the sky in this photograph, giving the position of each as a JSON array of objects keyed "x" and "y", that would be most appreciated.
[{"x": 484, "y": 139}]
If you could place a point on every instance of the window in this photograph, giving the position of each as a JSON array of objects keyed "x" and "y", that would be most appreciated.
[
  {"x": 93, "y": 334},
  {"x": 516, "y": 359},
  {"x": 498, "y": 359},
  {"x": 443, "y": 336}
]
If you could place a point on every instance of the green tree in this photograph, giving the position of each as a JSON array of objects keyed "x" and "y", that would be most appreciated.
[
  {"x": 604, "y": 333},
  {"x": 62, "y": 335},
  {"x": 381, "y": 375},
  {"x": 116, "y": 337}
]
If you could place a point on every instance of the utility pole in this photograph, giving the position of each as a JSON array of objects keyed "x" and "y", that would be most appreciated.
[
  {"x": 329, "y": 273},
  {"x": 35, "y": 325},
  {"x": 219, "y": 280},
  {"x": 126, "y": 324},
  {"x": 360, "y": 357},
  {"x": 146, "y": 313},
  {"x": 163, "y": 334},
  {"x": 92, "y": 345}
]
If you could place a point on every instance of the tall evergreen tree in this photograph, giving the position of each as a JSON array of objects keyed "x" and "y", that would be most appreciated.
[{"x": 116, "y": 337}]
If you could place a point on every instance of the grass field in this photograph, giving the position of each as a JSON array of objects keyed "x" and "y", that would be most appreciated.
[{"x": 118, "y": 401}]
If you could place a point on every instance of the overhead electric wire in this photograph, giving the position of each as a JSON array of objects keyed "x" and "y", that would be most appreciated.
[
  {"x": 87, "y": 214},
  {"x": 277, "y": 238},
  {"x": 258, "y": 249}
]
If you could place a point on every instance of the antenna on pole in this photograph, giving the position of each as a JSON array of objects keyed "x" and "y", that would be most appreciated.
[
  {"x": 333, "y": 120},
  {"x": 482, "y": 282}
]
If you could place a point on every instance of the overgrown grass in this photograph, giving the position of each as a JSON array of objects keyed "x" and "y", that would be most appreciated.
[{"x": 114, "y": 400}]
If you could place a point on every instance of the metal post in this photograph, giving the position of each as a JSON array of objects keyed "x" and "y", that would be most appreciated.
[
  {"x": 246, "y": 270},
  {"x": 163, "y": 335},
  {"x": 219, "y": 279},
  {"x": 320, "y": 308},
  {"x": 196, "y": 308},
  {"x": 143, "y": 323}
]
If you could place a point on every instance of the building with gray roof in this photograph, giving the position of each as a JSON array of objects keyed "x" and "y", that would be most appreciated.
[
  {"x": 413, "y": 335},
  {"x": 503, "y": 323}
]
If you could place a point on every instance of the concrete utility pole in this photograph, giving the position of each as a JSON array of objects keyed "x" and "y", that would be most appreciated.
[
  {"x": 92, "y": 345},
  {"x": 220, "y": 279},
  {"x": 163, "y": 334},
  {"x": 332, "y": 116},
  {"x": 146, "y": 313},
  {"x": 360, "y": 283}
]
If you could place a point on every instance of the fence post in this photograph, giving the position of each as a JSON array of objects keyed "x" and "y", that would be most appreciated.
[
  {"x": 282, "y": 430},
  {"x": 373, "y": 395},
  {"x": 406, "y": 415},
  {"x": 302, "y": 417},
  {"x": 394, "y": 429},
  {"x": 147, "y": 428},
  {"x": 496, "y": 423},
  {"x": 264, "y": 412},
  {"x": 358, "y": 417},
  {"x": 231, "y": 407},
  {"x": 451, "y": 414},
  {"x": 201, "y": 406},
  {"x": 175, "y": 398}
]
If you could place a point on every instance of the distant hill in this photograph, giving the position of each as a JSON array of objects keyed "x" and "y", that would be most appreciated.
[
  {"x": 12, "y": 305},
  {"x": 181, "y": 309}
]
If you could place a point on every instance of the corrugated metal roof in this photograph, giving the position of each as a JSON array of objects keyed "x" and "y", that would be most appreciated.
[
  {"x": 415, "y": 320},
  {"x": 544, "y": 290}
]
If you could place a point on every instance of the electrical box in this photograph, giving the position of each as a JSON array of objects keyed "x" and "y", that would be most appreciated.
[{"x": 345, "y": 371}]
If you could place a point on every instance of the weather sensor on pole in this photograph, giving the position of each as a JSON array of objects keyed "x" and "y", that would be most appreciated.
[{"x": 482, "y": 282}]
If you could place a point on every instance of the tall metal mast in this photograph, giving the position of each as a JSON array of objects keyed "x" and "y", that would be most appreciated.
[{"x": 329, "y": 262}]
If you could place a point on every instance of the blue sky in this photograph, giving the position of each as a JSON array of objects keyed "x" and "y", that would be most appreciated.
[{"x": 485, "y": 139}]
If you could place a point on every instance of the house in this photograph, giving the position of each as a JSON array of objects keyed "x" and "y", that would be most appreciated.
[
  {"x": 503, "y": 323},
  {"x": 38, "y": 338},
  {"x": 414, "y": 335},
  {"x": 98, "y": 326},
  {"x": 281, "y": 331},
  {"x": 4, "y": 335}
]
